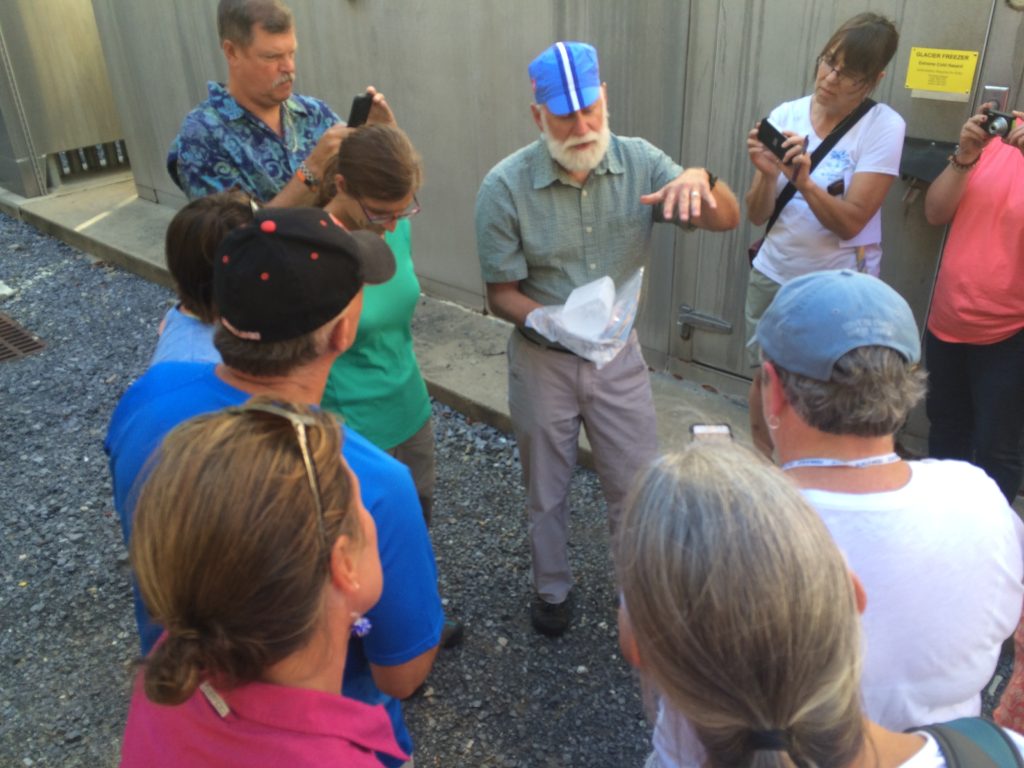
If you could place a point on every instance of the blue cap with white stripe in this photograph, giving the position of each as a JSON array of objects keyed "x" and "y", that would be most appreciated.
[{"x": 565, "y": 77}]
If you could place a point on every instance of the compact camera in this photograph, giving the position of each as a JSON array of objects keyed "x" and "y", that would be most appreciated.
[{"x": 998, "y": 123}]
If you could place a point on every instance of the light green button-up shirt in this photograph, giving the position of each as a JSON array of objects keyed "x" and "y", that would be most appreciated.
[{"x": 535, "y": 225}]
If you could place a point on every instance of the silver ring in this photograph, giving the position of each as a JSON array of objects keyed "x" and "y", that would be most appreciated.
[{"x": 694, "y": 193}]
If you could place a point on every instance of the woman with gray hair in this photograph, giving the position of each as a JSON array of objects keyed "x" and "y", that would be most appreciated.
[
  {"x": 935, "y": 543},
  {"x": 739, "y": 612}
]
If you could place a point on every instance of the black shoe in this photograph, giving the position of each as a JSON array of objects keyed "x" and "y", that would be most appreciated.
[
  {"x": 452, "y": 634},
  {"x": 551, "y": 619}
]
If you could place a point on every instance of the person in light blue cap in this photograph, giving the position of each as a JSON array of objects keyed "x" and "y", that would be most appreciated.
[
  {"x": 840, "y": 353},
  {"x": 572, "y": 207},
  {"x": 817, "y": 318}
]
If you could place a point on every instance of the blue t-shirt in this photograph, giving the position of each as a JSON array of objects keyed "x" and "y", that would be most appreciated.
[
  {"x": 185, "y": 339},
  {"x": 407, "y": 620},
  {"x": 222, "y": 145}
]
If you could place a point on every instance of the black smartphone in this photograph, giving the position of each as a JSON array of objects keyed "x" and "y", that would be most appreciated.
[
  {"x": 360, "y": 109},
  {"x": 658, "y": 211},
  {"x": 772, "y": 138}
]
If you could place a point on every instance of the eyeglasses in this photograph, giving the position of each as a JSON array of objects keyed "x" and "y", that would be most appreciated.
[
  {"x": 828, "y": 61},
  {"x": 299, "y": 422},
  {"x": 387, "y": 218}
]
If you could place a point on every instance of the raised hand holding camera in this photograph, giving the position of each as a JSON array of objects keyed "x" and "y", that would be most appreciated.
[
  {"x": 973, "y": 138},
  {"x": 997, "y": 123}
]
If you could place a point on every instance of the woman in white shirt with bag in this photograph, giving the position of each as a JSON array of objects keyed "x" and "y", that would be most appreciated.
[{"x": 821, "y": 201}]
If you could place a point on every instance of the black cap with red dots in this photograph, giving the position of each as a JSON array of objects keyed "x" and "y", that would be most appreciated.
[{"x": 291, "y": 271}]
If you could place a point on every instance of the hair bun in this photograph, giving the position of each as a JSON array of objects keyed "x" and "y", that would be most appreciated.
[{"x": 174, "y": 667}]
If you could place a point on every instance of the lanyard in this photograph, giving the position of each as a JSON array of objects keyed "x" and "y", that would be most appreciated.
[{"x": 870, "y": 461}]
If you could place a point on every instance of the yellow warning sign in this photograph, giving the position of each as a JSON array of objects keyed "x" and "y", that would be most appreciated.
[{"x": 941, "y": 69}]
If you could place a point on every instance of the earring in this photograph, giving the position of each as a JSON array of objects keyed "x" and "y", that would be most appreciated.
[
  {"x": 772, "y": 422},
  {"x": 361, "y": 625}
]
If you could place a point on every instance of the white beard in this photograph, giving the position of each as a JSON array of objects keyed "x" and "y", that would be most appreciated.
[{"x": 578, "y": 160}]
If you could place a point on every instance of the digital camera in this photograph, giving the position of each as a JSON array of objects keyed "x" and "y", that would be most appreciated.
[{"x": 998, "y": 123}]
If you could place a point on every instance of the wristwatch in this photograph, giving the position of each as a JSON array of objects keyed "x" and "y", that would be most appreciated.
[{"x": 306, "y": 176}]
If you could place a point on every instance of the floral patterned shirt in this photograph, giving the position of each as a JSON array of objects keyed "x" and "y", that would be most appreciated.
[{"x": 222, "y": 145}]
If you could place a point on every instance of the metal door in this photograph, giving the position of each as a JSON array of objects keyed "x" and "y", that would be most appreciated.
[{"x": 743, "y": 59}]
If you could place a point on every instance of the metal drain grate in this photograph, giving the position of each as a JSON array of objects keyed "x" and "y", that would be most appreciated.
[{"x": 15, "y": 341}]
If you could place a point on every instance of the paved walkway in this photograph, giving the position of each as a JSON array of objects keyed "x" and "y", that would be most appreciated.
[{"x": 461, "y": 352}]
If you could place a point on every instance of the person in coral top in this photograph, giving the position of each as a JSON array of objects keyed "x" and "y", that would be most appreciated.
[{"x": 974, "y": 345}]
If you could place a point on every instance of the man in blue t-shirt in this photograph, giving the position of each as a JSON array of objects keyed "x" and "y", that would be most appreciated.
[{"x": 288, "y": 288}]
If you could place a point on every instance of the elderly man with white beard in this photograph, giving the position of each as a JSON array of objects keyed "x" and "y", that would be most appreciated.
[{"x": 574, "y": 206}]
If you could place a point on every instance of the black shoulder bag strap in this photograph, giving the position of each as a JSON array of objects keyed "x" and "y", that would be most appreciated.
[
  {"x": 974, "y": 742},
  {"x": 818, "y": 155}
]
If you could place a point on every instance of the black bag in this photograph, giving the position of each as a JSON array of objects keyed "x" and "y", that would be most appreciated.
[
  {"x": 816, "y": 157},
  {"x": 974, "y": 742}
]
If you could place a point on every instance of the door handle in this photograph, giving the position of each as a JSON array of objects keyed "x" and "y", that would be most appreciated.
[{"x": 689, "y": 318}]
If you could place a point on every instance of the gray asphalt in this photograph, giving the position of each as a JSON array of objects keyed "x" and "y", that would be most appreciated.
[{"x": 507, "y": 697}]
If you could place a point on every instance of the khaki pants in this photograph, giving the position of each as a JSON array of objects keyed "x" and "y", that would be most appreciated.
[
  {"x": 550, "y": 395},
  {"x": 761, "y": 289},
  {"x": 417, "y": 453}
]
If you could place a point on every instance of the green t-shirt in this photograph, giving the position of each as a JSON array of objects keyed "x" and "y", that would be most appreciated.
[{"x": 376, "y": 385}]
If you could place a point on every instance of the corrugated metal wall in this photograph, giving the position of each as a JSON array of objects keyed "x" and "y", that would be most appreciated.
[
  {"x": 689, "y": 76},
  {"x": 747, "y": 57},
  {"x": 54, "y": 91},
  {"x": 455, "y": 73}
]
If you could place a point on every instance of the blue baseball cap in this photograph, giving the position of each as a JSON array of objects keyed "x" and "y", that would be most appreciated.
[
  {"x": 565, "y": 77},
  {"x": 816, "y": 319}
]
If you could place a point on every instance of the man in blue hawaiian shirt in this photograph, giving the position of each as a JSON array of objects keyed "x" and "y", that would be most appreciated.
[{"x": 253, "y": 132}]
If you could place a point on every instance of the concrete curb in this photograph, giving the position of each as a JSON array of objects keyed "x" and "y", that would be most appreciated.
[{"x": 461, "y": 352}]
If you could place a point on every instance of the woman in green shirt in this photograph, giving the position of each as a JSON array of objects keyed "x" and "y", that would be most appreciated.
[{"x": 376, "y": 385}]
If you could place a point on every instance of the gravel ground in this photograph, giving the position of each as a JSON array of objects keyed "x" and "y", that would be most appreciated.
[{"x": 507, "y": 697}]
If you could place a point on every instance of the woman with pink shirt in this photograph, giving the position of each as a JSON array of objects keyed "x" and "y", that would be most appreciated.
[
  {"x": 252, "y": 547},
  {"x": 974, "y": 345}
]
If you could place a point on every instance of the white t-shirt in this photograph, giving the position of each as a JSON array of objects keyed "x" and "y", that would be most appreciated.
[
  {"x": 798, "y": 243},
  {"x": 941, "y": 561}
]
